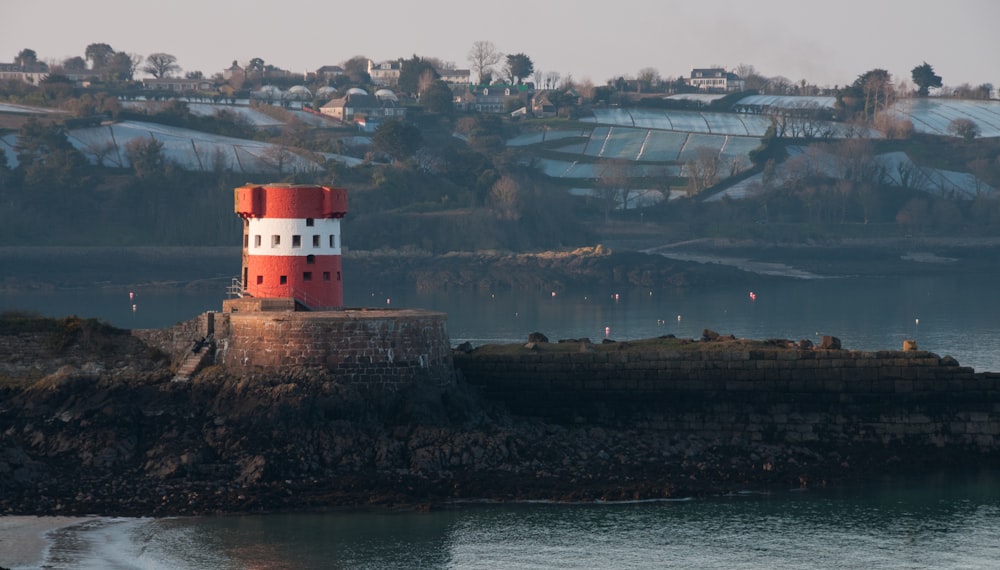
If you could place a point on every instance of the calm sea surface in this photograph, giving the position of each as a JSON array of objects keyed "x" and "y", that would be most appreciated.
[
  {"x": 948, "y": 315},
  {"x": 948, "y": 521}
]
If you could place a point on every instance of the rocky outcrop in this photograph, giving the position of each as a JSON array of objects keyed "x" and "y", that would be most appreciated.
[
  {"x": 82, "y": 444},
  {"x": 108, "y": 432}
]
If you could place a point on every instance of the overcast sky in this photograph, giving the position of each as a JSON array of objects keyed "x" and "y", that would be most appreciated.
[{"x": 827, "y": 43}]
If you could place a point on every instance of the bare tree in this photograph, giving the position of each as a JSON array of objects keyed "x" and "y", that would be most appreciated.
[
  {"x": 277, "y": 157},
  {"x": 506, "y": 200},
  {"x": 133, "y": 61},
  {"x": 616, "y": 184},
  {"x": 983, "y": 173},
  {"x": 752, "y": 79},
  {"x": 703, "y": 169},
  {"x": 482, "y": 57},
  {"x": 778, "y": 85},
  {"x": 101, "y": 150},
  {"x": 160, "y": 64},
  {"x": 910, "y": 175},
  {"x": 964, "y": 128},
  {"x": 648, "y": 78},
  {"x": 552, "y": 80},
  {"x": 855, "y": 161}
]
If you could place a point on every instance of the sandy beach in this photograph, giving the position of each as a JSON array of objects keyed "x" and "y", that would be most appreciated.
[{"x": 22, "y": 539}]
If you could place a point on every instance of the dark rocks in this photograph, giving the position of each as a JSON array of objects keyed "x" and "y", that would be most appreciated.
[
  {"x": 120, "y": 440},
  {"x": 537, "y": 337},
  {"x": 465, "y": 347},
  {"x": 830, "y": 343},
  {"x": 949, "y": 361}
]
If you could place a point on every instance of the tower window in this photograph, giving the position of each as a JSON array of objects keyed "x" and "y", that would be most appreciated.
[
  {"x": 296, "y": 241},
  {"x": 307, "y": 276},
  {"x": 315, "y": 241},
  {"x": 246, "y": 240},
  {"x": 275, "y": 240},
  {"x": 283, "y": 280},
  {"x": 256, "y": 241},
  {"x": 310, "y": 222},
  {"x": 260, "y": 279},
  {"x": 326, "y": 276},
  {"x": 338, "y": 276},
  {"x": 310, "y": 259}
]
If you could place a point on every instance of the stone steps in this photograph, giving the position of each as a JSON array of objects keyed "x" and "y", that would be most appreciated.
[{"x": 193, "y": 362}]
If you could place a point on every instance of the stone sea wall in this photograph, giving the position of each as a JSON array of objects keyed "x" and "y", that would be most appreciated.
[
  {"x": 378, "y": 348},
  {"x": 178, "y": 340},
  {"x": 747, "y": 395}
]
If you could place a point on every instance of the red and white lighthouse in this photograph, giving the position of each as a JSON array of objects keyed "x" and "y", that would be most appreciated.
[{"x": 291, "y": 242}]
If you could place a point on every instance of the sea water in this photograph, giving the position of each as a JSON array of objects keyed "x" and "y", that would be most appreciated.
[
  {"x": 956, "y": 315},
  {"x": 943, "y": 521}
]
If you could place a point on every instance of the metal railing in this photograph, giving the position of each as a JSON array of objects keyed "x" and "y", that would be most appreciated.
[{"x": 236, "y": 289}]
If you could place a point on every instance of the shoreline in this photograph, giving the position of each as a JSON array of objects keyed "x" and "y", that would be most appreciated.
[{"x": 25, "y": 540}]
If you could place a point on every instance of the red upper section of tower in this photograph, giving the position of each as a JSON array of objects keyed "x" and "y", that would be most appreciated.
[{"x": 290, "y": 201}]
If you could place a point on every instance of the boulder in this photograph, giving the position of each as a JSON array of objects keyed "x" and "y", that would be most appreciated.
[
  {"x": 830, "y": 343},
  {"x": 537, "y": 337}
]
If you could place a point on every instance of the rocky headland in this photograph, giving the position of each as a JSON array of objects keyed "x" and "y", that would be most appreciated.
[{"x": 91, "y": 422}]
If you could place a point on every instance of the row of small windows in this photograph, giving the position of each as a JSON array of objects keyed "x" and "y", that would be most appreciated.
[
  {"x": 306, "y": 276},
  {"x": 296, "y": 240}
]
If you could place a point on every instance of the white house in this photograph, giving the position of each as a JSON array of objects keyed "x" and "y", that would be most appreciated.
[
  {"x": 385, "y": 74},
  {"x": 715, "y": 79}
]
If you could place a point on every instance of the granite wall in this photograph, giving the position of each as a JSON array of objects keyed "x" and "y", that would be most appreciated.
[
  {"x": 378, "y": 348},
  {"x": 734, "y": 395}
]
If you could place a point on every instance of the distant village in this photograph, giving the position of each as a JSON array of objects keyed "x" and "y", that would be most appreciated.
[
  {"x": 341, "y": 93},
  {"x": 363, "y": 91},
  {"x": 367, "y": 92}
]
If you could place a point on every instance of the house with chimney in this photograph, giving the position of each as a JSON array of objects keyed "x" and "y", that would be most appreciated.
[{"x": 715, "y": 79}]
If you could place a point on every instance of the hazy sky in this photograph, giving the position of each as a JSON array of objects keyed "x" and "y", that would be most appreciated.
[{"x": 828, "y": 43}]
